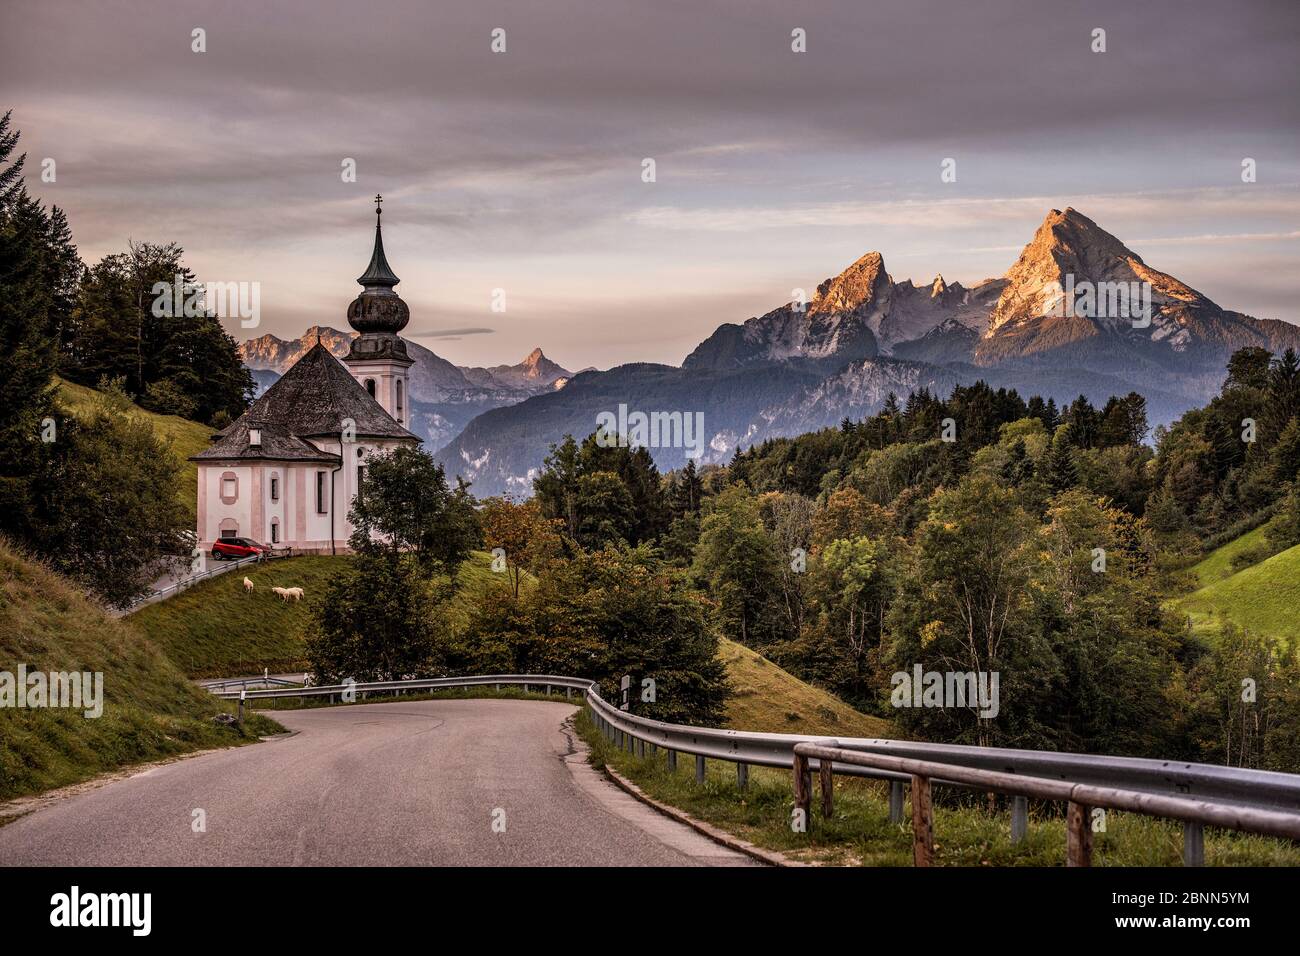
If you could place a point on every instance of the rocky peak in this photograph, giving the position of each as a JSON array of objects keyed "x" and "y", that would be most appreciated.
[
  {"x": 939, "y": 287},
  {"x": 1069, "y": 249},
  {"x": 863, "y": 283}
]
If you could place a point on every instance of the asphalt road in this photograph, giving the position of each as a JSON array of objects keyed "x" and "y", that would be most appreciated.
[{"x": 417, "y": 783}]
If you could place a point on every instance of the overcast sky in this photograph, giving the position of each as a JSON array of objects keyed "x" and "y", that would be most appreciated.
[{"x": 522, "y": 170}]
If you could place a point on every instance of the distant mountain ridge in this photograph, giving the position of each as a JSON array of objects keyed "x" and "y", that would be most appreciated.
[
  {"x": 803, "y": 366},
  {"x": 444, "y": 397}
]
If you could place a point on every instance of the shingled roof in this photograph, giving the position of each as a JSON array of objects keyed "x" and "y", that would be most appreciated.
[
  {"x": 311, "y": 400},
  {"x": 277, "y": 445}
]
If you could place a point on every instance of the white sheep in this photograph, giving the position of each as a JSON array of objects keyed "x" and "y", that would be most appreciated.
[
  {"x": 287, "y": 593},
  {"x": 248, "y": 586}
]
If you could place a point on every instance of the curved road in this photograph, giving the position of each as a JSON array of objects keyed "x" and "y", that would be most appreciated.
[{"x": 415, "y": 783}]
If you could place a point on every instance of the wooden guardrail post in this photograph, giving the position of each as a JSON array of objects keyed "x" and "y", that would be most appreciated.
[
  {"x": 742, "y": 776},
  {"x": 672, "y": 761},
  {"x": 1019, "y": 818},
  {"x": 1078, "y": 835},
  {"x": 1193, "y": 843},
  {"x": 826, "y": 776},
  {"x": 922, "y": 822},
  {"x": 803, "y": 787},
  {"x": 895, "y": 801},
  {"x": 699, "y": 769}
]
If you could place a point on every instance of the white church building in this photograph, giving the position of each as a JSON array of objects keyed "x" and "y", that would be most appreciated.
[{"x": 286, "y": 471}]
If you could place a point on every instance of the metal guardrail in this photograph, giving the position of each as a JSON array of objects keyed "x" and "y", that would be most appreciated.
[
  {"x": 214, "y": 570},
  {"x": 1228, "y": 787},
  {"x": 214, "y": 685},
  {"x": 1081, "y": 799}
]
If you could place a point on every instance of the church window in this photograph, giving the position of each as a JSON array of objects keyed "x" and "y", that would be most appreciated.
[{"x": 322, "y": 496}]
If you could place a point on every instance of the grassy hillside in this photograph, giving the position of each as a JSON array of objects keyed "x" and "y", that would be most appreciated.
[
  {"x": 1265, "y": 598},
  {"x": 766, "y": 698},
  {"x": 1217, "y": 565},
  {"x": 187, "y": 437},
  {"x": 149, "y": 709},
  {"x": 216, "y": 629}
]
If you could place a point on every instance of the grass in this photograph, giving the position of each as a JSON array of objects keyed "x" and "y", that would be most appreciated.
[
  {"x": 860, "y": 834},
  {"x": 1261, "y": 598},
  {"x": 186, "y": 437},
  {"x": 1217, "y": 565},
  {"x": 216, "y": 629},
  {"x": 150, "y": 710},
  {"x": 768, "y": 699}
]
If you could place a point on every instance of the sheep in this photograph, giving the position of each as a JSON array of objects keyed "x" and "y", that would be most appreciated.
[
  {"x": 248, "y": 586},
  {"x": 283, "y": 592},
  {"x": 287, "y": 593}
]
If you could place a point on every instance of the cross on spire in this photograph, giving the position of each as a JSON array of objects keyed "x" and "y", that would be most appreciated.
[{"x": 378, "y": 201}]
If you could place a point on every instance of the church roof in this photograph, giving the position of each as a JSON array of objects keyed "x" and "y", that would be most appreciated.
[
  {"x": 312, "y": 399},
  {"x": 277, "y": 445}
]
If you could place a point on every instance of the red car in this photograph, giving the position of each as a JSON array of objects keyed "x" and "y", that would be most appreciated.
[{"x": 232, "y": 549}]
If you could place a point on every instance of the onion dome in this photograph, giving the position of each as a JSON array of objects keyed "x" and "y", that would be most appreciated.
[{"x": 378, "y": 309}]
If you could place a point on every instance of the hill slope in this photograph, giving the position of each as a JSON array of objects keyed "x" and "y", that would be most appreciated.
[
  {"x": 149, "y": 709},
  {"x": 767, "y": 698},
  {"x": 1217, "y": 565},
  {"x": 1263, "y": 598},
  {"x": 187, "y": 437},
  {"x": 215, "y": 629}
]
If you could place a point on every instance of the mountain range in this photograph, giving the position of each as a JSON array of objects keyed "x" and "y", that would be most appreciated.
[
  {"x": 444, "y": 397},
  {"x": 1077, "y": 313}
]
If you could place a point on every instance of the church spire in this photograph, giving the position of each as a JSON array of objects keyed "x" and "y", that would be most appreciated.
[
  {"x": 379, "y": 275},
  {"x": 379, "y": 310}
]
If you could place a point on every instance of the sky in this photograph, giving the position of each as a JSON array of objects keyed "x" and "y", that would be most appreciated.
[{"x": 522, "y": 170}]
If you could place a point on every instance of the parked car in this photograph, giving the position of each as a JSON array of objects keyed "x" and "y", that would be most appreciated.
[{"x": 232, "y": 549}]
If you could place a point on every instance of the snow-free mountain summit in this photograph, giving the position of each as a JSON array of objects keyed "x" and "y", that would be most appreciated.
[{"x": 1045, "y": 327}]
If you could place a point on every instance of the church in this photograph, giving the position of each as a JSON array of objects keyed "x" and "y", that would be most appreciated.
[{"x": 285, "y": 472}]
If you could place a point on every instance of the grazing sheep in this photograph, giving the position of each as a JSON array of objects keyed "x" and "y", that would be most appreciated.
[
  {"x": 248, "y": 586},
  {"x": 287, "y": 593}
]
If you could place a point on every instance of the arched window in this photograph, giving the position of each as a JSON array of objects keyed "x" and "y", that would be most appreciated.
[
  {"x": 399, "y": 399},
  {"x": 229, "y": 528},
  {"x": 275, "y": 530},
  {"x": 370, "y": 387}
]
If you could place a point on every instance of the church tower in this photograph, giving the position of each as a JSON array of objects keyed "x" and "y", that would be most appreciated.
[{"x": 378, "y": 358}]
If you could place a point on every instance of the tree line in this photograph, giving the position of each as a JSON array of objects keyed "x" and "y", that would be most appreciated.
[{"x": 94, "y": 494}]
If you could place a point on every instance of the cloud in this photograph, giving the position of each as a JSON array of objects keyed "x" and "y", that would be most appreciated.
[{"x": 447, "y": 333}]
